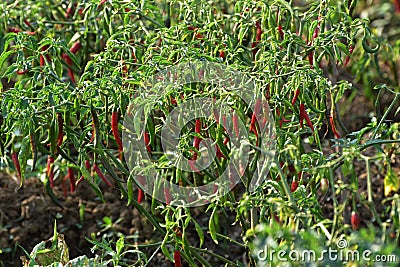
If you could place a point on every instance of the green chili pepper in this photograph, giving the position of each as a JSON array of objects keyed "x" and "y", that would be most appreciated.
[{"x": 367, "y": 48}]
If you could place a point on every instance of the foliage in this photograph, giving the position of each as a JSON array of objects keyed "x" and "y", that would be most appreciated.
[{"x": 69, "y": 65}]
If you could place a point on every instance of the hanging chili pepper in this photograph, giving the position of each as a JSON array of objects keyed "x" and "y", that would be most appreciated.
[
  {"x": 316, "y": 30},
  {"x": 397, "y": 6},
  {"x": 256, "y": 112},
  {"x": 15, "y": 30},
  {"x": 71, "y": 180},
  {"x": 146, "y": 137},
  {"x": 102, "y": 2},
  {"x": 21, "y": 72},
  {"x": 219, "y": 154},
  {"x": 140, "y": 195},
  {"x": 75, "y": 47},
  {"x": 167, "y": 195},
  {"x": 50, "y": 170},
  {"x": 115, "y": 131},
  {"x": 304, "y": 115},
  {"x": 257, "y": 40},
  {"x": 296, "y": 95},
  {"x": 294, "y": 186},
  {"x": 177, "y": 258},
  {"x": 14, "y": 157},
  {"x": 42, "y": 61},
  {"x": 333, "y": 127},
  {"x": 347, "y": 59},
  {"x": 355, "y": 221},
  {"x": 60, "y": 136},
  {"x": 196, "y": 141},
  {"x": 71, "y": 75},
  {"x": 140, "y": 190},
  {"x": 235, "y": 121},
  {"x": 101, "y": 175},
  {"x": 67, "y": 59},
  {"x": 281, "y": 33}
]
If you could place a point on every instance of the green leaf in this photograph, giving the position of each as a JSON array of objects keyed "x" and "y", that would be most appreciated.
[
  {"x": 199, "y": 232},
  {"x": 165, "y": 249},
  {"x": 23, "y": 156},
  {"x": 4, "y": 56},
  {"x": 119, "y": 245},
  {"x": 211, "y": 227}
]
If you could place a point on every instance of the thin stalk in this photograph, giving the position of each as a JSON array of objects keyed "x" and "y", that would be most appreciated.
[{"x": 385, "y": 115}]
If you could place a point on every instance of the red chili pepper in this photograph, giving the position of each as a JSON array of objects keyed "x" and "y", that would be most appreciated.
[
  {"x": 21, "y": 72},
  {"x": 196, "y": 141},
  {"x": 258, "y": 31},
  {"x": 355, "y": 221},
  {"x": 60, "y": 136},
  {"x": 219, "y": 154},
  {"x": 75, "y": 47},
  {"x": 304, "y": 115},
  {"x": 167, "y": 195},
  {"x": 14, "y": 157},
  {"x": 50, "y": 172},
  {"x": 256, "y": 112},
  {"x": 14, "y": 30},
  {"x": 235, "y": 121},
  {"x": 67, "y": 59},
  {"x": 71, "y": 75},
  {"x": 397, "y": 6},
  {"x": 257, "y": 40},
  {"x": 177, "y": 258},
  {"x": 316, "y": 30},
  {"x": 173, "y": 101},
  {"x": 102, "y": 2},
  {"x": 281, "y": 33},
  {"x": 146, "y": 137},
  {"x": 101, "y": 175},
  {"x": 332, "y": 123},
  {"x": 114, "y": 128},
  {"x": 80, "y": 180},
  {"x": 311, "y": 59},
  {"x": 294, "y": 186},
  {"x": 140, "y": 195},
  {"x": 87, "y": 165},
  {"x": 222, "y": 53},
  {"x": 42, "y": 61},
  {"x": 69, "y": 12},
  {"x": 296, "y": 95},
  {"x": 27, "y": 23},
  {"x": 347, "y": 59},
  {"x": 71, "y": 179}
]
